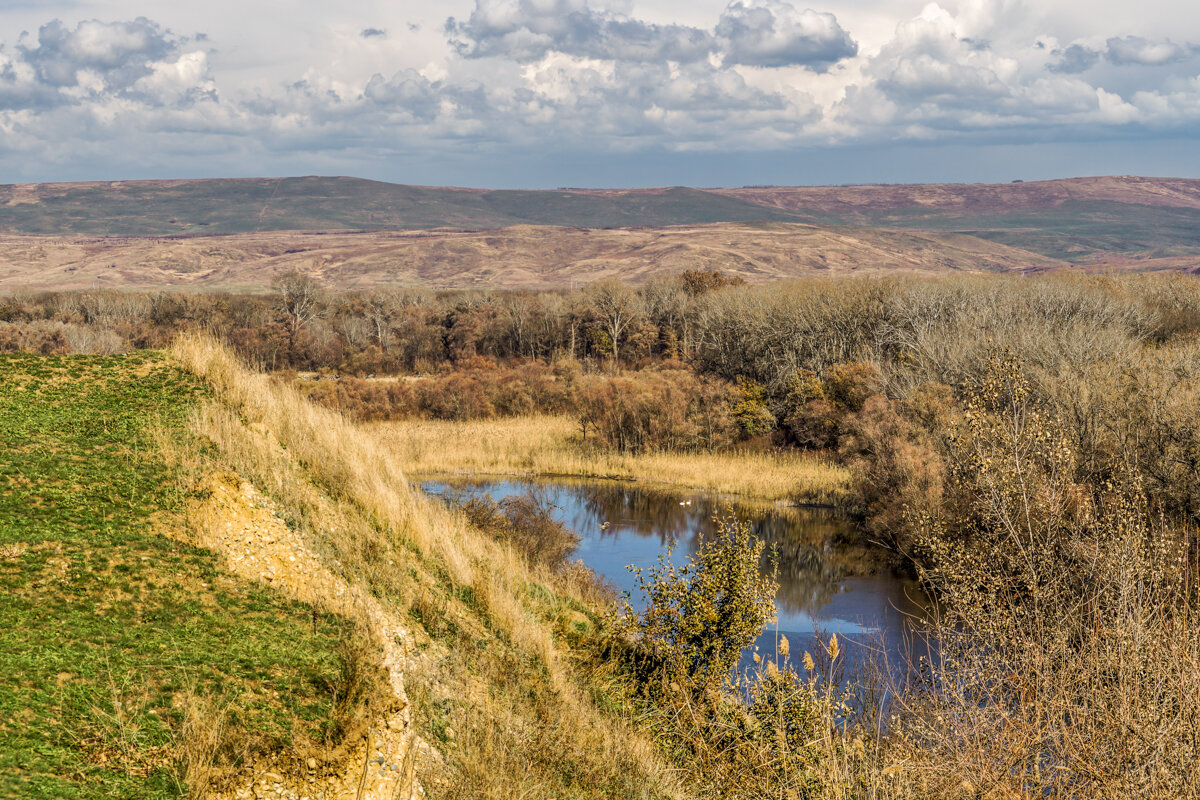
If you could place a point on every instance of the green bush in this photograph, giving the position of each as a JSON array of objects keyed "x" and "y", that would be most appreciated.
[
  {"x": 699, "y": 617},
  {"x": 750, "y": 411}
]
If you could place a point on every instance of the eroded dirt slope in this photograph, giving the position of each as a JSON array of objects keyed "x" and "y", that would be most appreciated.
[{"x": 238, "y": 522}]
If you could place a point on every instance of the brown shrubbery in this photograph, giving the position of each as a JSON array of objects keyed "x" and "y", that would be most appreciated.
[
  {"x": 656, "y": 410},
  {"x": 1067, "y": 633},
  {"x": 526, "y": 524},
  {"x": 480, "y": 390}
]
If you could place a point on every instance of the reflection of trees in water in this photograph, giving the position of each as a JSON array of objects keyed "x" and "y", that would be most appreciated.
[
  {"x": 814, "y": 549},
  {"x": 648, "y": 514}
]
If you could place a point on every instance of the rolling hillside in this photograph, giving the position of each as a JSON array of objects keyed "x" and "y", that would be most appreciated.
[
  {"x": 516, "y": 257},
  {"x": 157, "y": 208},
  {"x": 238, "y": 232}
]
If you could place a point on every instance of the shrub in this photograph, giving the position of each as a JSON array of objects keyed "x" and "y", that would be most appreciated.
[
  {"x": 749, "y": 411},
  {"x": 655, "y": 410},
  {"x": 897, "y": 469},
  {"x": 1066, "y": 626},
  {"x": 700, "y": 617},
  {"x": 362, "y": 399},
  {"x": 526, "y": 524},
  {"x": 814, "y": 410}
]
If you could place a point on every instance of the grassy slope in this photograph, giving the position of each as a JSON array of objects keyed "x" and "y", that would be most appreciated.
[
  {"x": 496, "y": 640},
  {"x": 1072, "y": 231},
  {"x": 549, "y": 446},
  {"x": 107, "y": 626}
]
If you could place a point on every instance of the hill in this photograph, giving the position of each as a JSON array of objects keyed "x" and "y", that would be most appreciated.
[
  {"x": 214, "y": 589},
  {"x": 158, "y": 208},
  {"x": 238, "y": 232},
  {"x": 515, "y": 257},
  {"x": 1077, "y": 219}
]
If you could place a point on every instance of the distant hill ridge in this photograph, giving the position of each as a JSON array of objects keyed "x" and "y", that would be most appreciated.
[
  {"x": 248, "y": 205},
  {"x": 354, "y": 232}
]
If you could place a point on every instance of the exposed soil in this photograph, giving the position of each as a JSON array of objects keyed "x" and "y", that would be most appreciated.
[{"x": 238, "y": 522}]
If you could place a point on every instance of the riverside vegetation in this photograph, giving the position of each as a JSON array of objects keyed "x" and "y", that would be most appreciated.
[{"x": 1026, "y": 445}]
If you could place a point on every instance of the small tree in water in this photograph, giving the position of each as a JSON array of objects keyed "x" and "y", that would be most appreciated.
[
  {"x": 699, "y": 617},
  {"x": 769, "y": 737}
]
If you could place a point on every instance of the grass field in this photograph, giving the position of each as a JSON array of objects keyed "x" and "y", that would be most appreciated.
[
  {"x": 498, "y": 638},
  {"x": 113, "y": 637},
  {"x": 550, "y": 447}
]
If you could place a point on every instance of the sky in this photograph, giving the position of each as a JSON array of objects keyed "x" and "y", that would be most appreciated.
[{"x": 599, "y": 93}]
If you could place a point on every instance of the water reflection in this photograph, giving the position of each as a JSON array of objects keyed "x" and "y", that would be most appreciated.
[{"x": 829, "y": 579}]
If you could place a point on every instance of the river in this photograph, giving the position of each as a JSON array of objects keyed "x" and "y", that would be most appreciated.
[{"x": 830, "y": 580}]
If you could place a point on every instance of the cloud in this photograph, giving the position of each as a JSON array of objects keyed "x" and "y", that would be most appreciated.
[
  {"x": 186, "y": 79},
  {"x": 407, "y": 91},
  {"x": 99, "y": 62},
  {"x": 119, "y": 52},
  {"x": 517, "y": 78},
  {"x": 770, "y": 33},
  {"x": 1146, "y": 52},
  {"x": 931, "y": 81},
  {"x": 1074, "y": 59},
  {"x": 760, "y": 33},
  {"x": 526, "y": 30}
]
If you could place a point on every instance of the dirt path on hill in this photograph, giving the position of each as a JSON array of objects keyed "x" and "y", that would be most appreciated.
[{"x": 238, "y": 522}]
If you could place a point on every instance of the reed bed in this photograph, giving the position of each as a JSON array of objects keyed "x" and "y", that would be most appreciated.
[{"x": 551, "y": 446}]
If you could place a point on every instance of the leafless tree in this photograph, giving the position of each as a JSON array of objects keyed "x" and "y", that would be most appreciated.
[
  {"x": 108, "y": 307},
  {"x": 298, "y": 297},
  {"x": 617, "y": 306},
  {"x": 518, "y": 310},
  {"x": 381, "y": 308},
  {"x": 668, "y": 305}
]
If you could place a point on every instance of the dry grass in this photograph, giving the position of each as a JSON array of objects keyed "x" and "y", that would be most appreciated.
[
  {"x": 204, "y": 729},
  {"x": 546, "y": 446},
  {"x": 348, "y": 496}
]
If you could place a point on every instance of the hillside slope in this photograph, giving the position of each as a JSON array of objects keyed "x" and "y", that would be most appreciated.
[
  {"x": 248, "y": 205},
  {"x": 217, "y": 590},
  {"x": 237, "y": 232},
  {"x": 132, "y": 663},
  {"x": 1079, "y": 219},
  {"x": 846, "y": 201},
  {"x": 516, "y": 257}
]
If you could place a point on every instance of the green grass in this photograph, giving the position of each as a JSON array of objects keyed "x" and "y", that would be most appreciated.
[{"x": 106, "y": 625}]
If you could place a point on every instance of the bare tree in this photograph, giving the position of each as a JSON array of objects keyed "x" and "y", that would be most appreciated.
[
  {"x": 298, "y": 297},
  {"x": 357, "y": 329},
  {"x": 668, "y": 305},
  {"x": 108, "y": 307},
  {"x": 381, "y": 307},
  {"x": 518, "y": 309},
  {"x": 617, "y": 306}
]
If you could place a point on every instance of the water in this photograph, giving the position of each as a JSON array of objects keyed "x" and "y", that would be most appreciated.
[{"x": 830, "y": 581}]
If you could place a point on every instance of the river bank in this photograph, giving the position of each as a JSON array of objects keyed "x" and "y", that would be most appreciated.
[{"x": 551, "y": 447}]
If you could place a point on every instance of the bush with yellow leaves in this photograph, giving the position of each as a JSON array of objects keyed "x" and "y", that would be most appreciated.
[
  {"x": 699, "y": 617},
  {"x": 1067, "y": 658}
]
